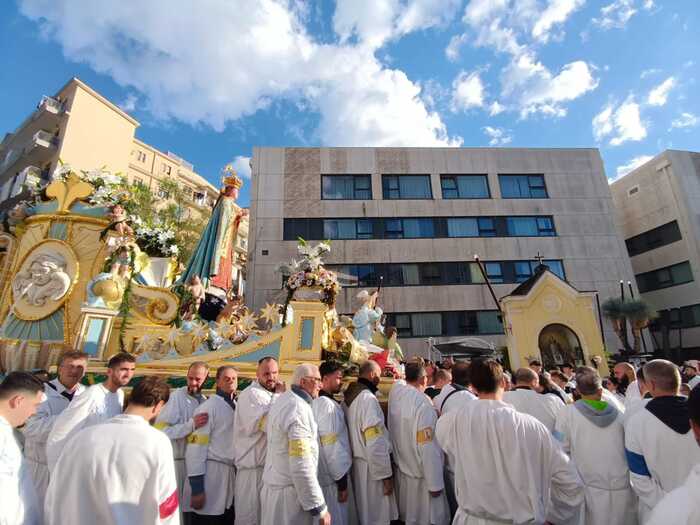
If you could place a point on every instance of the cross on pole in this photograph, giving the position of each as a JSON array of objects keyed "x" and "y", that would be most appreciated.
[{"x": 539, "y": 258}]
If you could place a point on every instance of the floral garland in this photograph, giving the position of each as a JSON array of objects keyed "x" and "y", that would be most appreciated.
[{"x": 155, "y": 240}]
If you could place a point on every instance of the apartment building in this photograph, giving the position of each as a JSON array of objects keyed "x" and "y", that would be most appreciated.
[
  {"x": 417, "y": 216},
  {"x": 658, "y": 208}
]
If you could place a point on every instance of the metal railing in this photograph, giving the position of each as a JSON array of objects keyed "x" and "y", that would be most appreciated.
[{"x": 50, "y": 103}]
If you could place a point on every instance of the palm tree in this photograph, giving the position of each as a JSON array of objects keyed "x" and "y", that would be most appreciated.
[
  {"x": 613, "y": 309},
  {"x": 639, "y": 314}
]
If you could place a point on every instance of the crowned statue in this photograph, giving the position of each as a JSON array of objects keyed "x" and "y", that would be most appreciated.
[{"x": 212, "y": 260}]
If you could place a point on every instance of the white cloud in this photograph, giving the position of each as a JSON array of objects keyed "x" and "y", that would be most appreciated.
[
  {"x": 242, "y": 166},
  {"x": 659, "y": 95},
  {"x": 129, "y": 103},
  {"x": 619, "y": 124},
  {"x": 616, "y": 14},
  {"x": 497, "y": 136},
  {"x": 453, "y": 48},
  {"x": 467, "y": 91},
  {"x": 205, "y": 66},
  {"x": 649, "y": 72},
  {"x": 495, "y": 108},
  {"x": 633, "y": 164},
  {"x": 686, "y": 120},
  {"x": 557, "y": 12}
]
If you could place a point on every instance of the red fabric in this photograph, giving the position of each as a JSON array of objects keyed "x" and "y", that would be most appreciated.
[
  {"x": 381, "y": 358},
  {"x": 169, "y": 506}
]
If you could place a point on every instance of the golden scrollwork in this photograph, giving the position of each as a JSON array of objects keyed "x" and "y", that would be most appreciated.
[{"x": 66, "y": 192}]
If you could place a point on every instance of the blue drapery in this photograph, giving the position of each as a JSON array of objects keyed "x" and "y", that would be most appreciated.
[{"x": 201, "y": 261}]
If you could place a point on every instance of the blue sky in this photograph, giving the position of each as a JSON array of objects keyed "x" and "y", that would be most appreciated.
[{"x": 209, "y": 80}]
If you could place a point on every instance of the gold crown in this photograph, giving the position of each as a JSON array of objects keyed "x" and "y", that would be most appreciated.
[{"x": 230, "y": 178}]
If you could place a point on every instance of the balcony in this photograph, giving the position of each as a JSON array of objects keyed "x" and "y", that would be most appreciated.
[{"x": 37, "y": 151}]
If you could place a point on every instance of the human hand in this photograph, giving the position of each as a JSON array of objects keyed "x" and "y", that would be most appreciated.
[
  {"x": 324, "y": 518},
  {"x": 280, "y": 387},
  {"x": 343, "y": 496},
  {"x": 200, "y": 420},
  {"x": 388, "y": 486},
  {"x": 197, "y": 501}
]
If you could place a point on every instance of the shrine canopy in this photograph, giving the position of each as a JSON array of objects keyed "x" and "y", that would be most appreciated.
[{"x": 546, "y": 318}]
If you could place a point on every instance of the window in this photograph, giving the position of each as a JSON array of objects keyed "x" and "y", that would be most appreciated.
[
  {"x": 494, "y": 271},
  {"x": 409, "y": 229},
  {"x": 349, "y": 187},
  {"x": 140, "y": 156},
  {"x": 489, "y": 322},
  {"x": 430, "y": 274},
  {"x": 462, "y": 227},
  {"x": 522, "y": 186},
  {"x": 649, "y": 240},
  {"x": 530, "y": 226},
  {"x": 402, "y": 322},
  {"x": 426, "y": 324},
  {"x": 163, "y": 194},
  {"x": 138, "y": 181},
  {"x": 406, "y": 187},
  {"x": 664, "y": 277},
  {"x": 464, "y": 186},
  {"x": 339, "y": 229},
  {"x": 167, "y": 169},
  {"x": 435, "y": 324}
]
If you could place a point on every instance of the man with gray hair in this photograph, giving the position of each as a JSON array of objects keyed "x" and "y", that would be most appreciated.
[
  {"x": 659, "y": 443},
  {"x": 591, "y": 431},
  {"x": 291, "y": 492}
]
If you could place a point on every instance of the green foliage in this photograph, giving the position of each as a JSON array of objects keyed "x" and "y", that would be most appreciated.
[
  {"x": 636, "y": 310},
  {"x": 613, "y": 308}
]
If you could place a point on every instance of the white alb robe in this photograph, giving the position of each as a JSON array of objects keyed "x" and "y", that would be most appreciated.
[
  {"x": 290, "y": 481},
  {"x": 335, "y": 456},
  {"x": 18, "y": 500},
  {"x": 36, "y": 432},
  {"x": 117, "y": 473},
  {"x": 542, "y": 407},
  {"x": 507, "y": 467},
  {"x": 681, "y": 506},
  {"x": 209, "y": 453},
  {"x": 419, "y": 459},
  {"x": 371, "y": 449},
  {"x": 95, "y": 405},
  {"x": 632, "y": 394},
  {"x": 249, "y": 446},
  {"x": 659, "y": 458},
  {"x": 598, "y": 452},
  {"x": 175, "y": 420},
  {"x": 446, "y": 400}
]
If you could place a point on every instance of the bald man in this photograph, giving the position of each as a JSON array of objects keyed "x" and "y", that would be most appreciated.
[
  {"x": 659, "y": 443},
  {"x": 527, "y": 400}
]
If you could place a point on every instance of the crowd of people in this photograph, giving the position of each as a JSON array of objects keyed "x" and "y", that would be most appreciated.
[{"x": 466, "y": 443}]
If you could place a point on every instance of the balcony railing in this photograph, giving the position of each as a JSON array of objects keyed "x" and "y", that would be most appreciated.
[{"x": 51, "y": 104}]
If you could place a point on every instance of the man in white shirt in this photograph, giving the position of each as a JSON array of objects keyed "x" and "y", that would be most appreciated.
[
  {"x": 335, "y": 455},
  {"x": 178, "y": 421},
  {"x": 660, "y": 445},
  {"x": 627, "y": 377},
  {"x": 119, "y": 472},
  {"x": 525, "y": 398},
  {"x": 250, "y": 440},
  {"x": 453, "y": 395},
  {"x": 209, "y": 456},
  {"x": 291, "y": 492},
  {"x": 420, "y": 477},
  {"x": 508, "y": 469},
  {"x": 682, "y": 505},
  {"x": 692, "y": 373},
  {"x": 97, "y": 404},
  {"x": 591, "y": 431},
  {"x": 59, "y": 392},
  {"x": 20, "y": 395}
]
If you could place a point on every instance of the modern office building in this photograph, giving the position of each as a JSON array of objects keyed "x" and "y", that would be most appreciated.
[
  {"x": 417, "y": 216},
  {"x": 658, "y": 207}
]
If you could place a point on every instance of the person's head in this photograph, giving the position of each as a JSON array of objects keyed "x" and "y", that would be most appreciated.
[
  {"x": 268, "y": 373},
  {"x": 430, "y": 370},
  {"x": 42, "y": 375},
  {"x": 442, "y": 377},
  {"x": 331, "y": 376},
  {"x": 641, "y": 382},
  {"x": 71, "y": 368},
  {"x": 307, "y": 377},
  {"x": 694, "y": 412},
  {"x": 460, "y": 374},
  {"x": 197, "y": 374},
  {"x": 148, "y": 397},
  {"x": 371, "y": 371},
  {"x": 559, "y": 379},
  {"x": 20, "y": 395},
  {"x": 120, "y": 370},
  {"x": 487, "y": 378},
  {"x": 690, "y": 369},
  {"x": 527, "y": 377},
  {"x": 535, "y": 365},
  {"x": 624, "y": 372},
  {"x": 685, "y": 389},
  {"x": 416, "y": 376},
  {"x": 390, "y": 332},
  {"x": 567, "y": 369},
  {"x": 226, "y": 379},
  {"x": 589, "y": 383},
  {"x": 507, "y": 381},
  {"x": 662, "y": 378}
]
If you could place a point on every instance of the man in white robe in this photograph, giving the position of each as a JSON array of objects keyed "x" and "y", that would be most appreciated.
[
  {"x": 453, "y": 395},
  {"x": 626, "y": 375},
  {"x": 591, "y": 431},
  {"x": 525, "y": 398},
  {"x": 59, "y": 392},
  {"x": 335, "y": 455},
  {"x": 97, "y": 404},
  {"x": 250, "y": 440},
  {"x": 209, "y": 456},
  {"x": 373, "y": 482},
  {"x": 660, "y": 446},
  {"x": 291, "y": 492},
  {"x": 508, "y": 468},
  {"x": 420, "y": 482},
  {"x": 682, "y": 505},
  {"x": 119, "y": 472},
  {"x": 20, "y": 395},
  {"x": 178, "y": 421}
]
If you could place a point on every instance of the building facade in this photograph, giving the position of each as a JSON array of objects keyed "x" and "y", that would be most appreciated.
[
  {"x": 658, "y": 206},
  {"x": 417, "y": 216}
]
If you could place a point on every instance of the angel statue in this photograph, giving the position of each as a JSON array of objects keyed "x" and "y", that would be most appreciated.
[{"x": 366, "y": 316}]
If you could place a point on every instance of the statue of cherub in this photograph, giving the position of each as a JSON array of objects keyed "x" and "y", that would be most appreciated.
[
  {"x": 15, "y": 218},
  {"x": 119, "y": 222},
  {"x": 195, "y": 299}
]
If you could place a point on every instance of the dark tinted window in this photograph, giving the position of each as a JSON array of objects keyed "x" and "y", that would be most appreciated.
[
  {"x": 522, "y": 186},
  {"x": 655, "y": 238},
  {"x": 350, "y": 187},
  {"x": 406, "y": 187},
  {"x": 464, "y": 186},
  {"x": 664, "y": 277}
]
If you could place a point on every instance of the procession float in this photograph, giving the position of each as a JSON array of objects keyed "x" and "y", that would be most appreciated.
[{"x": 79, "y": 271}]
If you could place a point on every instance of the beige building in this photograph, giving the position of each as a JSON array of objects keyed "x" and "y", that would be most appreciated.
[
  {"x": 658, "y": 207},
  {"x": 417, "y": 216}
]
